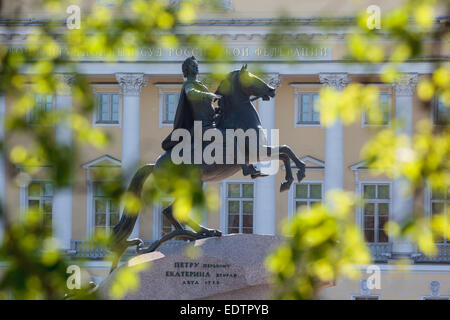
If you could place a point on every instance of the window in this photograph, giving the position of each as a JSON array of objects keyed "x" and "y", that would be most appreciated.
[
  {"x": 42, "y": 103},
  {"x": 107, "y": 108},
  {"x": 306, "y": 194},
  {"x": 440, "y": 202},
  {"x": 240, "y": 202},
  {"x": 102, "y": 213},
  {"x": 385, "y": 103},
  {"x": 106, "y": 210},
  {"x": 307, "y": 111},
  {"x": 40, "y": 196},
  {"x": 441, "y": 113},
  {"x": 170, "y": 103},
  {"x": 169, "y": 94},
  {"x": 377, "y": 201}
]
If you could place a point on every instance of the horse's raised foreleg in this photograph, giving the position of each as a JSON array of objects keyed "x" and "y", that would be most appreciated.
[
  {"x": 289, "y": 178},
  {"x": 279, "y": 153},
  {"x": 273, "y": 153},
  {"x": 298, "y": 163}
]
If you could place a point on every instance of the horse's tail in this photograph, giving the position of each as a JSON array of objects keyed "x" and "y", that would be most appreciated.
[{"x": 119, "y": 237}]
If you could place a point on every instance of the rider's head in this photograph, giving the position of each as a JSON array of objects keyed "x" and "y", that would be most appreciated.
[{"x": 190, "y": 67}]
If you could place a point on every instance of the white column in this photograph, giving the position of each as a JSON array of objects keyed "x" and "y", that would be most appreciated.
[
  {"x": 334, "y": 138},
  {"x": 2, "y": 164},
  {"x": 402, "y": 201},
  {"x": 62, "y": 198},
  {"x": 131, "y": 84},
  {"x": 265, "y": 214}
]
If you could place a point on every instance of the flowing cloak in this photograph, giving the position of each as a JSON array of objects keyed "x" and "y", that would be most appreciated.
[{"x": 183, "y": 119}]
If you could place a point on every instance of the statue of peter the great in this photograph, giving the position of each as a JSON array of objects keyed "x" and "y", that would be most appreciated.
[{"x": 195, "y": 104}]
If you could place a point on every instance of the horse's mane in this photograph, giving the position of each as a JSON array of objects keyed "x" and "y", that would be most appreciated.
[{"x": 224, "y": 88}]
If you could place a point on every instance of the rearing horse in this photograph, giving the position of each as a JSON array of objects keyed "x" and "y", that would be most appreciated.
[{"x": 237, "y": 112}]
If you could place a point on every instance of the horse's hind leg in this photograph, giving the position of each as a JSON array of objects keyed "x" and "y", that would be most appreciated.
[
  {"x": 201, "y": 231},
  {"x": 272, "y": 153},
  {"x": 168, "y": 213}
]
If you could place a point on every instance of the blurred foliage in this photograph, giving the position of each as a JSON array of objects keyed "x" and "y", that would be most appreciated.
[
  {"x": 36, "y": 268},
  {"x": 183, "y": 185},
  {"x": 46, "y": 66},
  {"x": 126, "y": 280},
  {"x": 421, "y": 159},
  {"x": 321, "y": 244}
]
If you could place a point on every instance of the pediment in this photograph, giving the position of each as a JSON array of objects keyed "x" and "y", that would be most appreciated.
[{"x": 103, "y": 161}]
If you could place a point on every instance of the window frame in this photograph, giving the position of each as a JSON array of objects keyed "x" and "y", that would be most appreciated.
[
  {"x": 299, "y": 89},
  {"x": 292, "y": 195},
  {"x": 361, "y": 208},
  {"x": 93, "y": 213},
  {"x": 429, "y": 209},
  {"x": 311, "y": 113},
  {"x": 24, "y": 196},
  {"x": 382, "y": 90},
  {"x": 90, "y": 179},
  {"x": 434, "y": 107},
  {"x": 163, "y": 90},
  {"x": 31, "y": 111},
  {"x": 108, "y": 89},
  {"x": 224, "y": 206}
]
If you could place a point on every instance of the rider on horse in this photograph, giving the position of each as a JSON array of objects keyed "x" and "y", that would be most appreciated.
[{"x": 195, "y": 105}]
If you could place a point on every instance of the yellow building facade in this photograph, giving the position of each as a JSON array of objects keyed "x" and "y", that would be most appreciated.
[{"x": 135, "y": 104}]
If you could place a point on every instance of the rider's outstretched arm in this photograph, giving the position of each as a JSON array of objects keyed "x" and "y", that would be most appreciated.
[{"x": 194, "y": 94}]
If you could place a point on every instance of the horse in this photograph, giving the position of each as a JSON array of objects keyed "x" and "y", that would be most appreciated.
[{"x": 238, "y": 90}]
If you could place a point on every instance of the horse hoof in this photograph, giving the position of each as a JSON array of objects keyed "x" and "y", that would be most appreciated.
[
  {"x": 285, "y": 186},
  {"x": 208, "y": 233},
  {"x": 300, "y": 174},
  {"x": 135, "y": 242},
  {"x": 260, "y": 175}
]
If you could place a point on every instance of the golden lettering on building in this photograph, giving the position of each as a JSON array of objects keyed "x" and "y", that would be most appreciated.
[{"x": 179, "y": 53}]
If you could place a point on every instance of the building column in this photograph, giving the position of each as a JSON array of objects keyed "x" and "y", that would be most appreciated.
[
  {"x": 62, "y": 197},
  {"x": 265, "y": 188},
  {"x": 2, "y": 164},
  {"x": 402, "y": 200},
  {"x": 131, "y": 85},
  {"x": 334, "y": 138}
]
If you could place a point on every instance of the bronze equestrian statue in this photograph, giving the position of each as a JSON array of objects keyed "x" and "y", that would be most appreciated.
[{"x": 235, "y": 111}]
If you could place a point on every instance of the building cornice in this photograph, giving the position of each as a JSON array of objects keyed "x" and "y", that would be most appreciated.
[
  {"x": 345, "y": 21},
  {"x": 259, "y": 29}
]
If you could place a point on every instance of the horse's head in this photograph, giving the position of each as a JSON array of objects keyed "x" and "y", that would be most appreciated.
[
  {"x": 244, "y": 84},
  {"x": 252, "y": 85}
]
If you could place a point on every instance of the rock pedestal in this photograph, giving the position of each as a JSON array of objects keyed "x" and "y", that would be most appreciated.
[{"x": 229, "y": 267}]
